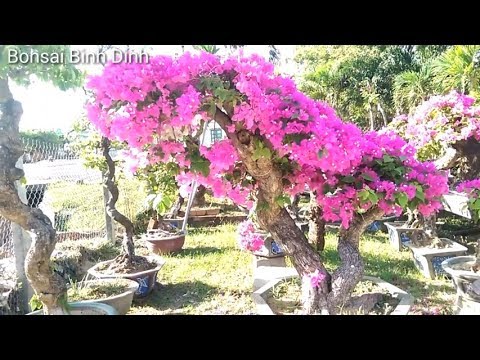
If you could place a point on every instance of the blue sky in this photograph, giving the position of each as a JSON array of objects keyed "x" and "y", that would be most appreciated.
[{"x": 45, "y": 107}]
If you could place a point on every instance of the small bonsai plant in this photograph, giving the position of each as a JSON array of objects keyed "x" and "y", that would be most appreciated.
[{"x": 162, "y": 191}]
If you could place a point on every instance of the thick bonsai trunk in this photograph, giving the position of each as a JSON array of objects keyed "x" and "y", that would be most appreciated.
[
  {"x": 49, "y": 286},
  {"x": 316, "y": 225},
  {"x": 448, "y": 160},
  {"x": 469, "y": 151},
  {"x": 346, "y": 277},
  {"x": 109, "y": 182},
  {"x": 305, "y": 259},
  {"x": 276, "y": 219}
]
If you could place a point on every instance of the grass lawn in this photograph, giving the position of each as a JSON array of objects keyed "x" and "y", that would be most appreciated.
[
  {"x": 212, "y": 276},
  {"x": 209, "y": 276}
]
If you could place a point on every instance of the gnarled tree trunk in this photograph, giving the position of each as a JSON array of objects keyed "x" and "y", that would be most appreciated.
[
  {"x": 351, "y": 270},
  {"x": 316, "y": 225},
  {"x": 109, "y": 182},
  {"x": 49, "y": 286},
  {"x": 321, "y": 299}
]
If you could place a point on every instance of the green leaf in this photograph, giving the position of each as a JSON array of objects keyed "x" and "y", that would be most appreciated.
[
  {"x": 372, "y": 197},
  {"x": 262, "y": 205},
  {"x": 419, "y": 193},
  {"x": 364, "y": 195},
  {"x": 402, "y": 199},
  {"x": 387, "y": 159},
  {"x": 475, "y": 204},
  {"x": 348, "y": 179},
  {"x": 283, "y": 200},
  {"x": 261, "y": 152},
  {"x": 367, "y": 177}
]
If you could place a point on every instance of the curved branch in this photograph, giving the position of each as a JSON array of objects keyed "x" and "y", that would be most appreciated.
[
  {"x": 109, "y": 183},
  {"x": 448, "y": 160}
]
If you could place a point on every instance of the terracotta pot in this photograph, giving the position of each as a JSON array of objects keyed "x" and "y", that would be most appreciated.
[
  {"x": 121, "y": 302},
  {"x": 146, "y": 279},
  {"x": 86, "y": 308},
  {"x": 165, "y": 245}
]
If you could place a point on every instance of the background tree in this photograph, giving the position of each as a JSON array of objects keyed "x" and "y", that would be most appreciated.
[
  {"x": 457, "y": 69},
  {"x": 369, "y": 84},
  {"x": 350, "y": 77},
  {"x": 49, "y": 286}
]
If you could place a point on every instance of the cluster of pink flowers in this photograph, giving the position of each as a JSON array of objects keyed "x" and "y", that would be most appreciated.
[
  {"x": 155, "y": 106},
  {"x": 313, "y": 279},
  {"x": 442, "y": 119},
  {"x": 471, "y": 187},
  {"x": 247, "y": 238}
]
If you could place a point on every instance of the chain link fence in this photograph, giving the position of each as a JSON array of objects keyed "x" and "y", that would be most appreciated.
[{"x": 72, "y": 196}]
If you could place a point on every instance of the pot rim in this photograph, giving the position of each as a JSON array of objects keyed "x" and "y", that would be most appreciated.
[
  {"x": 131, "y": 288},
  {"x": 81, "y": 305},
  {"x": 157, "y": 259},
  {"x": 463, "y": 274}
]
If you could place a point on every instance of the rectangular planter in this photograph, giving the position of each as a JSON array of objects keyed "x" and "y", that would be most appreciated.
[
  {"x": 260, "y": 295},
  {"x": 456, "y": 203},
  {"x": 398, "y": 235},
  {"x": 428, "y": 261}
]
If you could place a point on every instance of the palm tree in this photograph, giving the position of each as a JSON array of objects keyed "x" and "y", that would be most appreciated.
[
  {"x": 410, "y": 88},
  {"x": 457, "y": 69}
]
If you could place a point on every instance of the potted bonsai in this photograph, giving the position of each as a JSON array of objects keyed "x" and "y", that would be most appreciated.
[
  {"x": 126, "y": 265},
  {"x": 465, "y": 270},
  {"x": 262, "y": 245},
  {"x": 165, "y": 232},
  {"x": 117, "y": 293}
]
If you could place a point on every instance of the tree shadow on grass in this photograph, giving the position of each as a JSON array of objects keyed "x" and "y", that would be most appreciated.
[
  {"x": 199, "y": 251},
  {"x": 399, "y": 273},
  {"x": 179, "y": 295}
]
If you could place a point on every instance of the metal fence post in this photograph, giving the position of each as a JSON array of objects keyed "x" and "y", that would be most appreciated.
[
  {"x": 21, "y": 244},
  {"x": 108, "y": 220}
]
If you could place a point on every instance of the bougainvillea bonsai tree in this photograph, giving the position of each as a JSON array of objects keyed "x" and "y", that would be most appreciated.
[
  {"x": 278, "y": 142},
  {"x": 445, "y": 129}
]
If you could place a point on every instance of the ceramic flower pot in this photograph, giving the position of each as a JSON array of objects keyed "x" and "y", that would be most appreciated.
[
  {"x": 146, "y": 279},
  {"x": 121, "y": 302},
  {"x": 84, "y": 308},
  {"x": 429, "y": 260},
  {"x": 164, "y": 245},
  {"x": 399, "y": 235},
  {"x": 466, "y": 302}
]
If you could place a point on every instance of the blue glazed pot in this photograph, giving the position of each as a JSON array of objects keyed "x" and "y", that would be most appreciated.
[{"x": 146, "y": 279}]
